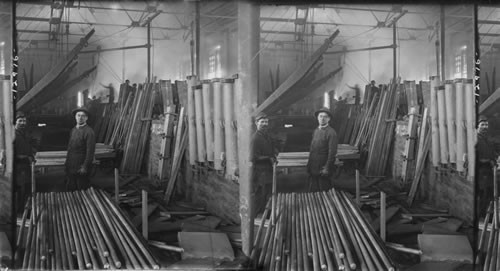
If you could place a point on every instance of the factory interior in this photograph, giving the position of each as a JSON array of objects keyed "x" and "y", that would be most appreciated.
[{"x": 172, "y": 96}]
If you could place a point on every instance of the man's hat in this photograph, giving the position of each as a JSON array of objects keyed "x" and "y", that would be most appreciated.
[
  {"x": 20, "y": 114},
  {"x": 80, "y": 109},
  {"x": 324, "y": 110},
  {"x": 481, "y": 119},
  {"x": 261, "y": 116}
]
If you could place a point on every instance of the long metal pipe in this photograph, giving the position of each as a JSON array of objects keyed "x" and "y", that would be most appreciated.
[
  {"x": 197, "y": 38},
  {"x": 393, "y": 46},
  {"x": 115, "y": 49},
  {"x": 149, "y": 52},
  {"x": 443, "y": 131},
  {"x": 208, "y": 114},
  {"x": 230, "y": 127},
  {"x": 200, "y": 129},
  {"x": 434, "y": 121},
  {"x": 450, "y": 100},
  {"x": 442, "y": 42},
  {"x": 193, "y": 151},
  {"x": 218, "y": 123},
  {"x": 394, "y": 52},
  {"x": 460, "y": 124}
]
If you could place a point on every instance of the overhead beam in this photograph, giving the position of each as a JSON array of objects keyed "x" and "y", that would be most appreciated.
[
  {"x": 487, "y": 22},
  {"x": 22, "y": 18},
  {"x": 489, "y": 34},
  {"x": 270, "y": 19},
  {"x": 392, "y": 46},
  {"x": 115, "y": 49},
  {"x": 43, "y": 3}
]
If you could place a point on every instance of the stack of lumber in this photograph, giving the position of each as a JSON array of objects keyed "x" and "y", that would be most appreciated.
[
  {"x": 138, "y": 131},
  {"x": 79, "y": 230},
  {"x": 381, "y": 139},
  {"x": 318, "y": 231},
  {"x": 58, "y": 158},
  {"x": 291, "y": 159}
]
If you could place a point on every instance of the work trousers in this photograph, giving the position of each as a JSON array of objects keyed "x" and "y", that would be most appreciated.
[
  {"x": 77, "y": 182},
  {"x": 262, "y": 187},
  {"x": 485, "y": 188},
  {"x": 23, "y": 184},
  {"x": 319, "y": 183}
]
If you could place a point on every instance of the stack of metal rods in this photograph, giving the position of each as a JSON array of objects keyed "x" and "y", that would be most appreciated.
[
  {"x": 318, "y": 231},
  {"x": 492, "y": 258},
  {"x": 79, "y": 230}
]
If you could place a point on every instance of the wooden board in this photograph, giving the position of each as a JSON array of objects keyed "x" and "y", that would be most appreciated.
[
  {"x": 53, "y": 73},
  {"x": 296, "y": 75}
]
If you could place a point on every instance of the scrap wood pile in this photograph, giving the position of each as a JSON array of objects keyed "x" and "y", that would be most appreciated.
[
  {"x": 489, "y": 240},
  {"x": 79, "y": 230},
  {"x": 318, "y": 231}
]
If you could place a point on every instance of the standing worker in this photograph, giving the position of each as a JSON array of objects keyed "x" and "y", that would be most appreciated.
[
  {"x": 263, "y": 157},
  {"x": 322, "y": 153},
  {"x": 24, "y": 148},
  {"x": 81, "y": 148},
  {"x": 486, "y": 159}
]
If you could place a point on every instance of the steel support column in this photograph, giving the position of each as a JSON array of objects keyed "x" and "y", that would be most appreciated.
[
  {"x": 149, "y": 52},
  {"x": 394, "y": 74},
  {"x": 246, "y": 99}
]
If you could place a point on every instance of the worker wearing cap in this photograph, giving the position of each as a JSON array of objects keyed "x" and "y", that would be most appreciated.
[
  {"x": 486, "y": 159},
  {"x": 81, "y": 148},
  {"x": 263, "y": 155},
  {"x": 322, "y": 153},
  {"x": 24, "y": 148}
]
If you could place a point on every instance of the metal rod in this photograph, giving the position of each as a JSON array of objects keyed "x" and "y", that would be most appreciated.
[
  {"x": 94, "y": 210},
  {"x": 117, "y": 185},
  {"x": 149, "y": 52},
  {"x": 123, "y": 48},
  {"x": 255, "y": 248},
  {"x": 145, "y": 214},
  {"x": 358, "y": 193},
  {"x": 392, "y": 46},
  {"x": 394, "y": 52},
  {"x": 135, "y": 237},
  {"x": 382, "y": 216}
]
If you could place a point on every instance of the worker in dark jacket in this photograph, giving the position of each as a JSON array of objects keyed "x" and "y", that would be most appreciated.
[
  {"x": 486, "y": 159},
  {"x": 322, "y": 153},
  {"x": 81, "y": 148},
  {"x": 263, "y": 155},
  {"x": 24, "y": 148}
]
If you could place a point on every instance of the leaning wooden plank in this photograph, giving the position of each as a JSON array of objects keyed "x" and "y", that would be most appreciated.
[
  {"x": 295, "y": 76},
  {"x": 420, "y": 168},
  {"x": 166, "y": 141},
  {"x": 408, "y": 155},
  {"x": 175, "y": 168},
  {"x": 54, "y": 72},
  {"x": 491, "y": 104}
]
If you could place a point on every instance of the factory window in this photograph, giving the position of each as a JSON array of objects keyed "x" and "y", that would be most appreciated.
[
  {"x": 461, "y": 63},
  {"x": 458, "y": 66},
  {"x": 214, "y": 63}
]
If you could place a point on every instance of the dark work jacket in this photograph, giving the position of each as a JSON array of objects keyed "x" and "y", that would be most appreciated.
[
  {"x": 262, "y": 145},
  {"x": 323, "y": 150},
  {"x": 485, "y": 148},
  {"x": 81, "y": 148},
  {"x": 23, "y": 145}
]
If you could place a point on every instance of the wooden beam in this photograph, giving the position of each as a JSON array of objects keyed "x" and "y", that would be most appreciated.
[
  {"x": 296, "y": 76},
  {"x": 490, "y": 103},
  {"x": 53, "y": 73}
]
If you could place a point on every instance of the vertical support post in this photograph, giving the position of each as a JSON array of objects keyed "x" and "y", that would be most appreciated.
[
  {"x": 442, "y": 42},
  {"x": 197, "y": 39},
  {"x": 274, "y": 197},
  {"x": 123, "y": 63},
  {"x": 149, "y": 52},
  {"x": 246, "y": 94},
  {"x": 382, "y": 216},
  {"x": 145, "y": 214},
  {"x": 394, "y": 68},
  {"x": 358, "y": 190},
  {"x": 117, "y": 186}
]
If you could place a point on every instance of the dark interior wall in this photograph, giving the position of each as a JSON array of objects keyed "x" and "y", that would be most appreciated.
[
  {"x": 447, "y": 189},
  {"x": 490, "y": 74}
]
